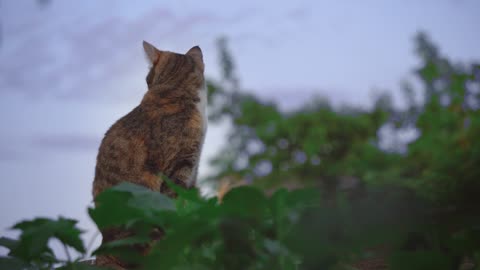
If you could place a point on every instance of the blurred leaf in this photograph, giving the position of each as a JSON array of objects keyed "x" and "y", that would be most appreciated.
[
  {"x": 245, "y": 202},
  {"x": 420, "y": 260},
  {"x": 14, "y": 264},
  {"x": 125, "y": 242},
  {"x": 80, "y": 266},
  {"x": 127, "y": 203},
  {"x": 8, "y": 243},
  {"x": 35, "y": 235}
]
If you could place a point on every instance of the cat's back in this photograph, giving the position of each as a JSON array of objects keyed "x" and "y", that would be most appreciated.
[
  {"x": 161, "y": 136},
  {"x": 165, "y": 133},
  {"x": 148, "y": 134},
  {"x": 122, "y": 152}
]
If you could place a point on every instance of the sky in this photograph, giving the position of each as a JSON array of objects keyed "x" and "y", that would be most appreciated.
[{"x": 69, "y": 69}]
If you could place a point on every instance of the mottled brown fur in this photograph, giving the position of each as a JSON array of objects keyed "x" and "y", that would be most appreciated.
[{"x": 162, "y": 135}]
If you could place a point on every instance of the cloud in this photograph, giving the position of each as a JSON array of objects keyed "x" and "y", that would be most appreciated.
[
  {"x": 290, "y": 97},
  {"x": 7, "y": 154},
  {"x": 298, "y": 14},
  {"x": 66, "y": 142},
  {"x": 78, "y": 56}
]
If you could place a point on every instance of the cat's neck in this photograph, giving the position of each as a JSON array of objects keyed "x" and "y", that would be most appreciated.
[
  {"x": 152, "y": 97},
  {"x": 166, "y": 98}
]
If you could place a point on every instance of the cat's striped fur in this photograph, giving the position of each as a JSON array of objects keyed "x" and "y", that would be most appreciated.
[{"x": 162, "y": 135}]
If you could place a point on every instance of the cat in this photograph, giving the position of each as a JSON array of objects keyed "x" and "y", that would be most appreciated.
[{"x": 161, "y": 136}]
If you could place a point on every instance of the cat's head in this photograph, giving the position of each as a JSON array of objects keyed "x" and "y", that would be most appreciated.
[{"x": 173, "y": 70}]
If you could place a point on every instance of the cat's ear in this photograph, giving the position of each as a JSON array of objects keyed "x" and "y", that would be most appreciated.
[
  {"x": 197, "y": 55},
  {"x": 151, "y": 52}
]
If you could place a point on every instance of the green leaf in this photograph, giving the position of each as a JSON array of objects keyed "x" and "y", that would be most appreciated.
[
  {"x": 68, "y": 234},
  {"x": 36, "y": 233},
  {"x": 187, "y": 234},
  {"x": 152, "y": 201},
  {"x": 8, "y": 243},
  {"x": 143, "y": 197},
  {"x": 128, "y": 203},
  {"x": 112, "y": 209},
  {"x": 184, "y": 194}
]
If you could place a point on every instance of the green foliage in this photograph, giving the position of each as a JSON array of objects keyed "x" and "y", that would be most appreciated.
[
  {"x": 31, "y": 250},
  {"x": 248, "y": 230},
  {"x": 421, "y": 260},
  {"x": 338, "y": 149},
  {"x": 324, "y": 194},
  {"x": 245, "y": 231}
]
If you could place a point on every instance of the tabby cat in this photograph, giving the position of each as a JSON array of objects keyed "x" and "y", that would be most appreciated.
[{"x": 162, "y": 135}]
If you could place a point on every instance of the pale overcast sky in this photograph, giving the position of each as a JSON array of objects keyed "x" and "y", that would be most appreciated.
[{"x": 69, "y": 69}]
